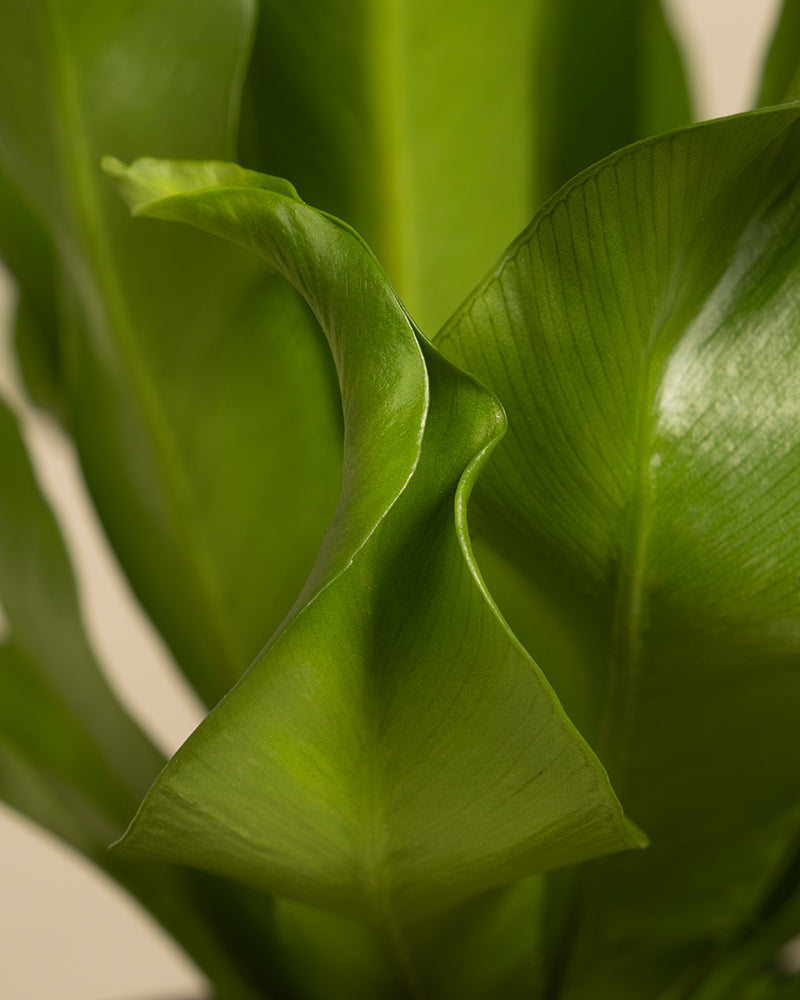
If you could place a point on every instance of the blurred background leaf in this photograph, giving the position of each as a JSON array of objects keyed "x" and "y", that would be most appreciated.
[
  {"x": 781, "y": 72},
  {"x": 197, "y": 388},
  {"x": 72, "y": 760},
  {"x": 436, "y": 129}
]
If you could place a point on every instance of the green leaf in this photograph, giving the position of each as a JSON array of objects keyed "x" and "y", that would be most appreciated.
[
  {"x": 182, "y": 358},
  {"x": 489, "y": 946},
  {"x": 762, "y": 957},
  {"x": 55, "y": 705},
  {"x": 72, "y": 759},
  {"x": 782, "y": 989},
  {"x": 605, "y": 74},
  {"x": 27, "y": 250},
  {"x": 642, "y": 337},
  {"x": 781, "y": 74},
  {"x": 393, "y": 750},
  {"x": 436, "y": 129}
]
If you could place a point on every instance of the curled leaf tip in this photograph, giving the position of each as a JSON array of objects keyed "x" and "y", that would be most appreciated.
[
  {"x": 140, "y": 184},
  {"x": 147, "y": 181}
]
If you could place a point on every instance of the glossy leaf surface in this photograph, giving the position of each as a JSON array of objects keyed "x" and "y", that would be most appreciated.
[
  {"x": 394, "y": 749},
  {"x": 437, "y": 128},
  {"x": 181, "y": 358},
  {"x": 643, "y": 337}
]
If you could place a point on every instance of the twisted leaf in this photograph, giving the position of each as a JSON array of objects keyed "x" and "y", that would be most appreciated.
[{"x": 394, "y": 749}]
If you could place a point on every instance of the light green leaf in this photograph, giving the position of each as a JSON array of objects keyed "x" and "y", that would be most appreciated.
[
  {"x": 26, "y": 248},
  {"x": 394, "y": 749},
  {"x": 642, "y": 336},
  {"x": 437, "y": 128},
  {"x": 182, "y": 357}
]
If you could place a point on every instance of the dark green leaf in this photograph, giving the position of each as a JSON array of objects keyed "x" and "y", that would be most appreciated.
[
  {"x": 55, "y": 705},
  {"x": 605, "y": 75},
  {"x": 764, "y": 955},
  {"x": 70, "y": 757},
  {"x": 27, "y": 250},
  {"x": 642, "y": 336},
  {"x": 489, "y": 946},
  {"x": 781, "y": 74}
]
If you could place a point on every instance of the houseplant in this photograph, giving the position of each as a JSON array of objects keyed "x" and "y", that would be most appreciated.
[{"x": 394, "y": 769}]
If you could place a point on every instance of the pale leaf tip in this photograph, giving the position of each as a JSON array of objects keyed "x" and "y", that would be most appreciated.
[{"x": 141, "y": 184}]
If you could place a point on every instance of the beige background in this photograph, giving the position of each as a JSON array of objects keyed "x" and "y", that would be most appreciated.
[{"x": 66, "y": 933}]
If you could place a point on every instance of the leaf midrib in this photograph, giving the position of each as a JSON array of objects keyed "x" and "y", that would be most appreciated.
[
  {"x": 100, "y": 286},
  {"x": 625, "y": 651},
  {"x": 388, "y": 89}
]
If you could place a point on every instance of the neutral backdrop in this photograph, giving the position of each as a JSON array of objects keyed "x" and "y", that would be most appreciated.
[{"x": 66, "y": 932}]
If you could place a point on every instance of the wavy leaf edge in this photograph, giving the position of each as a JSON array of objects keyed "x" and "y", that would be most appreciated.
[{"x": 143, "y": 186}]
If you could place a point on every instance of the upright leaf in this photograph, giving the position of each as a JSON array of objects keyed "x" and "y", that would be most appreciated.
[
  {"x": 27, "y": 250},
  {"x": 393, "y": 750},
  {"x": 605, "y": 74},
  {"x": 781, "y": 73},
  {"x": 181, "y": 358},
  {"x": 436, "y": 128},
  {"x": 88, "y": 741},
  {"x": 71, "y": 758},
  {"x": 642, "y": 336}
]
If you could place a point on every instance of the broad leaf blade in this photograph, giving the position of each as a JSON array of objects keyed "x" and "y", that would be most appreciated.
[
  {"x": 641, "y": 336},
  {"x": 443, "y": 125},
  {"x": 183, "y": 358},
  {"x": 605, "y": 75},
  {"x": 415, "y": 110},
  {"x": 393, "y": 749}
]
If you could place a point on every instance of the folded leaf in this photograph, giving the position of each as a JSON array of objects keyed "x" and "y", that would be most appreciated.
[
  {"x": 394, "y": 749},
  {"x": 642, "y": 336}
]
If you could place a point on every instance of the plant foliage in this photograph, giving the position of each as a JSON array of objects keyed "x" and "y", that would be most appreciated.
[{"x": 553, "y": 614}]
